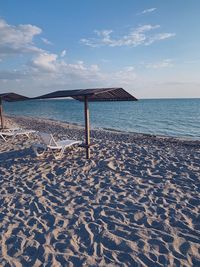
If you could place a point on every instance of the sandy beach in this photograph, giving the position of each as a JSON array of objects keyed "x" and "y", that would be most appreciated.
[{"x": 136, "y": 202}]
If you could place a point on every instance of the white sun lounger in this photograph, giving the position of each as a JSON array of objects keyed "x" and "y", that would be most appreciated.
[
  {"x": 15, "y": 132},
  {"x": 10, "y": 129},
  {"x": 56, "y": 147}
]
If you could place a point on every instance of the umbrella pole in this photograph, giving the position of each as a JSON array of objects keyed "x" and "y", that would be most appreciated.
[
  {"x": 1, "y": 113},
  {"x": 87, "y": 128}
]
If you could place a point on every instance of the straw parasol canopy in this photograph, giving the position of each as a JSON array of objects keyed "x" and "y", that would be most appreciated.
[
  {"x": 10, "y": 97},
  {"x": 97, "y": 94}
]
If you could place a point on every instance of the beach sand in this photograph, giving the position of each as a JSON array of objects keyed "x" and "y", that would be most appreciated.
[{"x": 136, "y": 202}]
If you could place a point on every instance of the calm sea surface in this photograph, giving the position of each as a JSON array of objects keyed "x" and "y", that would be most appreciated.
[{"x": 171, "y": 117}]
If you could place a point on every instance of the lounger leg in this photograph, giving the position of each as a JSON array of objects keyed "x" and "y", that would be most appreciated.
[
  {"x": 35, "y": 149},
  {"x": 54, "y": 154},
  {"x": 13, "y": 137},
  {"x": 27, "y": 135},
  {"x": 3, "y": 138},
  {"x": 62, "y": 152}
]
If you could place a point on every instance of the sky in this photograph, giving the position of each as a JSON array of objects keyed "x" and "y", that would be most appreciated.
[{"x": 151, "y": 48}]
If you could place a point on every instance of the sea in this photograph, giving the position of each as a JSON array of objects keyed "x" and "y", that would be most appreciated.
[{"x": 165, "y": 117}]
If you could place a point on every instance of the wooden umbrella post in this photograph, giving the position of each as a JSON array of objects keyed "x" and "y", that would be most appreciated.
[
  {"x": 87, "y": 128},
  {"x": 1, "y": 113}
]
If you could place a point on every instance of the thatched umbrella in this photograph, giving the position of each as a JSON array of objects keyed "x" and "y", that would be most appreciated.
[
  {"x": 98, "y": 94},
  {"x": 10, "y": 97}
]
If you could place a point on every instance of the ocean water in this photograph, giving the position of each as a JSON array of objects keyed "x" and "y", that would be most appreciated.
[{"x": 169, "y": 117}]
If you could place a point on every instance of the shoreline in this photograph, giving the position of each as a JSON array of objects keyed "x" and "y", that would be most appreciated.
[{"x": 105, "y": 129}]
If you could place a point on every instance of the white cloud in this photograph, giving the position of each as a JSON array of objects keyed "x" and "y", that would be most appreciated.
[
  {"x": 54, "y": 66},
  {"x": 142, "y": 35},
  {"x": 63, "y": 53},
  {"x": 46, "y": 41},
  {"x": 47, "y": 72},
  {"x": 123, "y": 77},
  {"x": 17, "y": 39},
  {"x": 161, "y": 64},
  {"x": 149, "y": 10},
  {"x": 45, "y": 62},
  {"x": 159, "y": 37}
]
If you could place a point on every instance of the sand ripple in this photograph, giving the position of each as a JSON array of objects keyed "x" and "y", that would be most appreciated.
[{"x": 135, "y": 203}]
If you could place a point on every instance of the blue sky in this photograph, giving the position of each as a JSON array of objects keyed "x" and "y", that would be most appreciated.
[{"x": 150, "y": 48}]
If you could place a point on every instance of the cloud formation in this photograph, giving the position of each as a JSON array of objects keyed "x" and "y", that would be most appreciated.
[
  {"x": 63, "y": 72},
  {"x": 159, "y": 65},
  {"x": 45, "y": 62},
  {"x": 142, "y": 35},
  {"x": 46, "y": 41},
  {"x": 15, "y": 40},
  {"x": 149, "y": 10},
  {"x": 50, "y": 72},
  {"x": 63, "y": 53},
  {"x": 42, "y": 70}
]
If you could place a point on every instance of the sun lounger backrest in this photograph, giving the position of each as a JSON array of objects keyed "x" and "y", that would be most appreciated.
[
  {"x": 11, "y": 129},
  {"x": 48, "y": 139}
]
